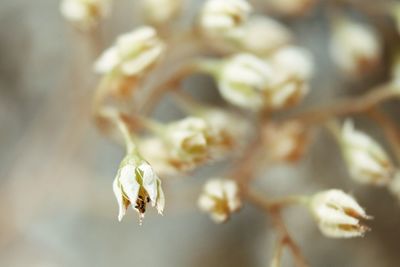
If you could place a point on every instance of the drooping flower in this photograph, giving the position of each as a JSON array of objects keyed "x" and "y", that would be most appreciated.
[
  {"x": 220, "y": 198},
  {"x": 338, "y": 214},
  {"x": 136, "y": 184},
  {"x": 368, "y": 163},
  {"x": 133, "y": 53}
]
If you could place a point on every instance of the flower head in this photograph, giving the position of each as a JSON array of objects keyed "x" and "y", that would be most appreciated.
[
  {"x": 355, "y": 47},
  {"x": 133, "y": 53},
  {"x": 187, "y": 140},
  {"x": 220, "y": 198},
  {"x": 136, "y": 184},
  {"x": 223, "y": 16},
  {"x": 338, "y": 214},
  {"x": 85, "y": 13},
  {"x": 244, "y": 80},
  {"x": 367, "y": 161},
  {"x": 293, "y": 68}
]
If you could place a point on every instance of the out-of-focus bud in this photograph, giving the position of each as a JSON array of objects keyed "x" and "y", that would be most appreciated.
[
  {"x": 368, "y": 163},
  {"x": 395, "y": 12},
  {"x": 156, "y": 152},
  {"x": 161, "y": 11},
  {"x": 223, "y": 16},
  {"x": 220, "y": 198},
  {"x": 285, "y": 141},
  {"x": 291, "y": 7},
  {"x": 338, "y": 214},
  {"x": 136, "y": 184},
  {"x": 187, "y": 140},
  {"x": 133, "y": 54},
  {"x": 394, "y": 185},
  {"x": 293, "y": 68},
  {"x": 85, "y": 14},
  {"x": 355, "y": 47},
  {"x": 244, "y": 80},
  {"x": 262, "y": 34}
]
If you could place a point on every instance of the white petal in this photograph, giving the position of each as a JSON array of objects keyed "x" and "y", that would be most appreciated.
[
  {"x": 118, "y": 194},
  {"x": 107, "y": 61},
  {"x": 129, "y": 184},
  {"x": 149, "y": 180}
]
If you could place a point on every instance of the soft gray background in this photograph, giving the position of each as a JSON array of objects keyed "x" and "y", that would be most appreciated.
[{"x": 56, "y": 169}]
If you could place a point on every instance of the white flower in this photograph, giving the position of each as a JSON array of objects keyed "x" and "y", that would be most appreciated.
[
  {"x": 85, "y": 13},
  {"x": 188, "y": 141},
  {"x": 286, "y": 141},
  {"x": 366, "y": 160},
  {"x": 136, "y": 184},
  {"x": 291, "y": 7},
  {"x": 220, "y": 198},
  {"x": 338, "y": 214},
  {"x": 223, "y": 16},
  {"x": 133, "y": 53},
  {"x": 262, "y": 34},
  {"x": 161, "y": 11},
  {"x": 293, "y": 67},
  {"x": 355, "y": 47},
  {"x": 244, "y": 80}
]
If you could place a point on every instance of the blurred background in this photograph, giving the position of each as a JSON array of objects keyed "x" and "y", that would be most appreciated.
[{"x": 56, "y": 201}]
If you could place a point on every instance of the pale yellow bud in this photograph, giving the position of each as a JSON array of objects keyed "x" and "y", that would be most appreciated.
[
  {"x": 367, "y": 161},
  {"x": 338, "y": 214},
  {"x": 220, "y": 198},
  {"x": 161, "y": 11}
]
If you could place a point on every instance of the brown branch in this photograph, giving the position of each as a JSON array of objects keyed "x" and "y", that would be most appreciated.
[{"x": 348, "y": 106}]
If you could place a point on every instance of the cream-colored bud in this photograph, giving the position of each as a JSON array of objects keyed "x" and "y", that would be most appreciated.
[
  {"x": 220, "y": 198},
  {"x": 85, "y": 13},
  {"x": 136, "y": 184},
  {"x": 355, "y": 47},
  {"x": 223, "y": 16},
  {"x": 293, "y": 68},
  {"x": 338, "y": 214},
  {"x": 291, "y": 7},
  {"x": 187, "y": 140},
  {"x": 245, "y": 80},
  {"x": 156, "y": 152},
  {"x": 262, "y": 34},
  {"x": 161, "y": 11},
  {"x": 286, "y": 141},
  {"x": 133, "y": 53},
  {"x": 368, "y": 163}
]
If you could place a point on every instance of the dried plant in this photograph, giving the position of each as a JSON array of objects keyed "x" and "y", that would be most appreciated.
[{"x": 259, "y": 70}]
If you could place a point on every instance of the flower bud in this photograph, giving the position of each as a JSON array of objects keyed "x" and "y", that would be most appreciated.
[
  {"x": 293, "y": 68},
  {"x": 245, "y": 80},
  {"x": 286, "y": 141},
  {"x": 161, "y": 11},
  {"x": 136, "y": 184},
  {"x": 355, "y": 47},
  {"x": 187, "y": 141},
  {"x": 291, "y": 7},
  {"x": 220, "y": 198},
  {"x": 223, "y": 16},
  {"x": 262, "y": 34},
  {"x": 85, "y": 13},
  {"x": 368, "y": 163},
  {"x": 338, "y": 214},
  {"x": 133, "y": 53}
]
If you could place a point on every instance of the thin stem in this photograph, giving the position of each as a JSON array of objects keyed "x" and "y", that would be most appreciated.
[
  {"x": 390, "y": 129},
  {"x": 264, "y": 204},
  {"x": 276, "y": 260},
  {"x": 114, "y": 116},
  {"x": 349, "y": 105}
]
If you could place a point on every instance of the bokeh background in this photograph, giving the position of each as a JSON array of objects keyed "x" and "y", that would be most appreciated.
[{"x": 56, "y": 202}]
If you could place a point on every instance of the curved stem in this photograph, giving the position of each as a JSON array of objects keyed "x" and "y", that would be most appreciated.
[{"x": 349, "y": 105}]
